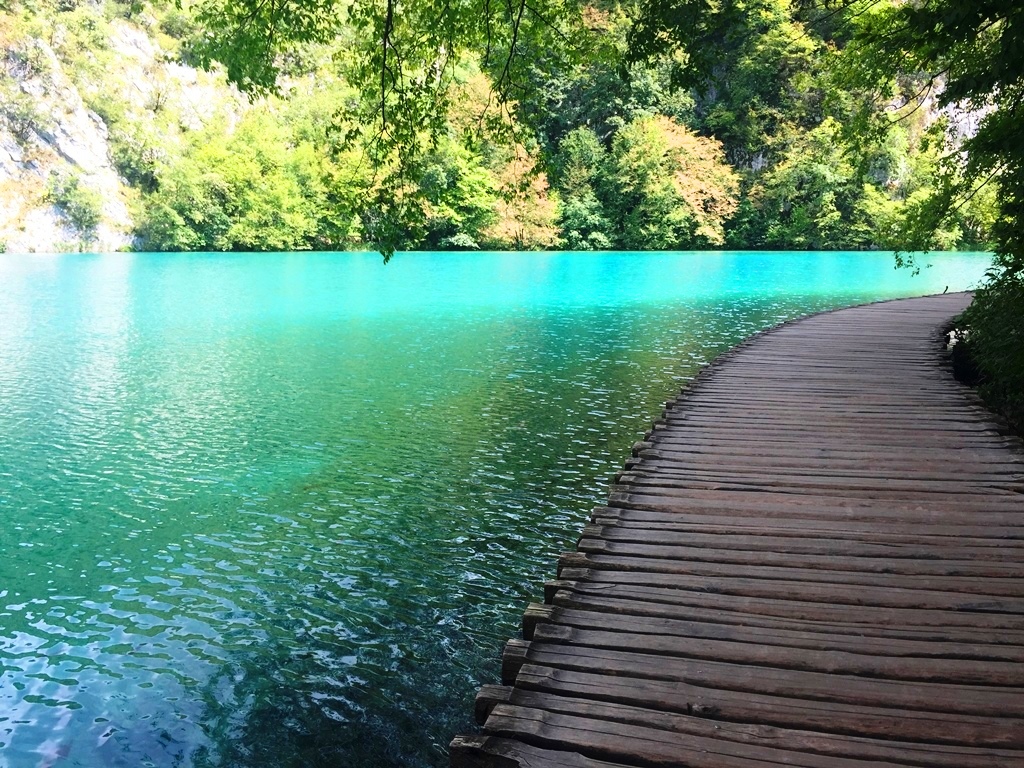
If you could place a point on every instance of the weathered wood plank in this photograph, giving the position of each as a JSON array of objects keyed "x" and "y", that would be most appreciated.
[
  {"x": 649, "y": 746},
  {"x": 919, "y": 547},
  {"x": 747, "y": 707},
  {"x": 968, "y": 584},
  {"x": 992, "y": 510},
  {"x": 704, "y": 726},
  {"x": 827, "y": 637},
  {"x": 931, "y": 603},
  {"x": 856, "y": 526},
  {"x": 812, "y": 654},
  {"x": 481, "y": 751},
  {"x": 993, "y": 627},
  {"x": 874, "y": 515},
  {"x": 983, "y": 700},
  {"x": 888, "y": 530},
  {"x": 834, "y": 560},
  {"x": 880, "y": 488},
  {"x": 864, "y": 469}
]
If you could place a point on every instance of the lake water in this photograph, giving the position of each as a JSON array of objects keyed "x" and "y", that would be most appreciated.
[{"x": 285, "y": 509}]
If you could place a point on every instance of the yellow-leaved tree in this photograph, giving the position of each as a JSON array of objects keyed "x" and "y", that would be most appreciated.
[{"x": 670, "y": 188}]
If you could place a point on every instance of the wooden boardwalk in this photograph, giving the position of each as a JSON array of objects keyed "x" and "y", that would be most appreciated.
[{"x": 815, "y": 559}]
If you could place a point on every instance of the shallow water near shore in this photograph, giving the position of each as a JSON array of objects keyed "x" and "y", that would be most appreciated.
[{"x": 285, "y": 509}]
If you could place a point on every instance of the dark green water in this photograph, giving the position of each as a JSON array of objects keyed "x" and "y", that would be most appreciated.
[{"x": 284, "y": 510}]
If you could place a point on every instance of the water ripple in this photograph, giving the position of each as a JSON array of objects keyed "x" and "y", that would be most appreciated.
[{"x": 285, "y": 510}]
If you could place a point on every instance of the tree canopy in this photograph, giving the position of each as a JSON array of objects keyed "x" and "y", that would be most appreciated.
[
  {"x": 404, "y": 60},
  {"x": 441, "y": 123}
]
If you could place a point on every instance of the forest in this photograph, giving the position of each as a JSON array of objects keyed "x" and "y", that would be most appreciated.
[
  {"x": 664, "y": 124},
  {"x": 585, "y": 148}
]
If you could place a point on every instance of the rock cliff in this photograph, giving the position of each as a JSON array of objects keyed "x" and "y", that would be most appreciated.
[
  {"x": 60, "y": 187},
  {"x": 66, "y": 139}
]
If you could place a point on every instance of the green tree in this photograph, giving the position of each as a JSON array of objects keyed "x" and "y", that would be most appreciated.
[
  {"x": 580, "y": 169},
  {"x": 807, "y": 199},
  {"x": 672, "y": 188},
  {"x": 598, "y": 90},
  {"x": 80, "y": 205},
  {"x": 751, "y": 64},
  {"x": 583, "y": 223},
  {"x": 460, "y": 196},
  {"x": 231, "y": 192},
  {"x": 959, "y": 55},
  {"x": 333, "y": 178},
  {"x": 403, "y": 61},
  {"x": 963, "y": 56}
]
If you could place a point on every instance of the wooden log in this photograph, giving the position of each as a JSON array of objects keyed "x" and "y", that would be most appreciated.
[
  {"x": 967, "y": 596},
  {"x": 877, "y": 530},
  {"x": 1002, "y": 510},
  {"x": 969, "y": 585},
  {"x": 648, "y": 746},
  {"x": 486, "y": 699},
  {"x": 913, "y": 547},
  {"x": 880, "y": 487},
  {"x": 535, "y": 614},
  {"x": 1000, "y": 629},
  {"x": 512, "y": 660},
  {"x": 824, "y": 561}
]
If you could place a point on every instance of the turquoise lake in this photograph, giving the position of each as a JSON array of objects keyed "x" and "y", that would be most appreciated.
[{"x": 285, "y": 509}]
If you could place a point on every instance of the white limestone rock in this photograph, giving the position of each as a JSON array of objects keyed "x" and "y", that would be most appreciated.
[{"x": 72, "y": 140}]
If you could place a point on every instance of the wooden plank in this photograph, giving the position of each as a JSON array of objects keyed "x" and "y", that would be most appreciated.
[
  {"x": 873, "y": 467},
  {"x": 959, "y": 456},
  {"x": 754, "y": 504},
  {"x": 897, "y": 531},
  {"x": 648, "y": 746},
  {"x": 746, "y": 707},
  {"x": 875, "y": 488},
  {"x": 990, "y": 586},
  {"x": 705, "y": 727},
  {"x": 828, "y": 561},
  {"x": 932, "y": 603},
  {"x": 868, "y": 441},
  {"x": 952, "y": 698},
  {"x": 485, "y": 751},
  {"x": 814, "y": 654},
  {"x": 844, "y": 423},
  {"x": 906, "y": 546},
  {"x": 863, "y": 469},
  {"x": 829, "y": 637},
  {"x": 707, "y": 533},
  {"x": 738, "y": 411},
  {"x": 985, "y": 509},
  {"x": 758, "y": 612}
]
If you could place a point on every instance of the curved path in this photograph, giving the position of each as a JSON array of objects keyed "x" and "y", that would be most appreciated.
[{"x": 815, "y": 559}]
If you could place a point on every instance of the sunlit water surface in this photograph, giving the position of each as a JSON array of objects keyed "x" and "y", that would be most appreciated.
[{"x": 285, "y": 509}]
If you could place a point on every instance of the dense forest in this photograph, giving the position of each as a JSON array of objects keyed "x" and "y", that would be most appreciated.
[{"x": 597, "y": 151}]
